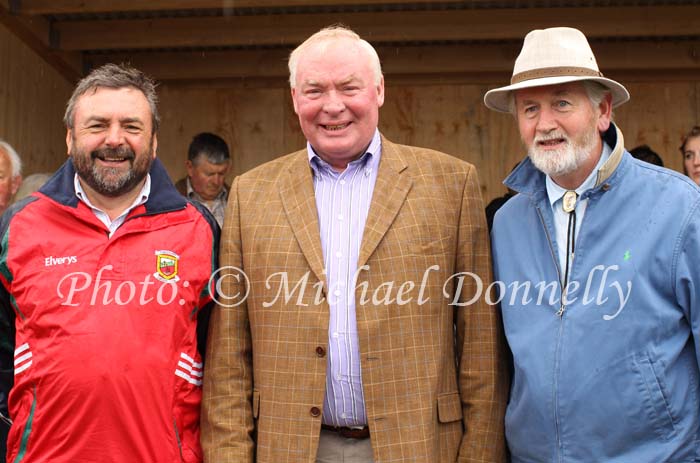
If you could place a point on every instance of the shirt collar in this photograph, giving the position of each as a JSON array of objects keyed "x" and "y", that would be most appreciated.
[
  {"x": 369, "y": 159},
  {"x": 140, "y": 199},
  {"x": 555, "y": 192}
]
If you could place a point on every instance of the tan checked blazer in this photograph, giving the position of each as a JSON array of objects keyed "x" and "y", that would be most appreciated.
[{"x": 425, "y": 400}]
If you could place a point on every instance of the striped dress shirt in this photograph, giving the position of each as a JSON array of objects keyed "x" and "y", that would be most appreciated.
[{"x": 343, "y": 200}]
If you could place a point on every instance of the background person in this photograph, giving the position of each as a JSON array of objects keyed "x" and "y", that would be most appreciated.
[
  {"x": 10, "y": 174},
  {"x": 315, "y": 378},
  {"x": 606, "y": 357},
  {"x": 30, "y": 184},
  {"x": 690, "y": 150},
  {"x": 646, "y": 154},
  {"x": 104, "y": 276},
  {"x": 208, "y": 162}
]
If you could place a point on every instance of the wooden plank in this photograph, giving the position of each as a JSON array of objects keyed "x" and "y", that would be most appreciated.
[
  {"x": 35, "y": 32},
  {"x": 33, "y": 96},
  {"x": 405, "y": 26},
  {"x": 251, "y": 121},
  {"x": 260, "y": 124},
  {"x": 639, "y": 57},
  {"x": 109, "y": 6}
]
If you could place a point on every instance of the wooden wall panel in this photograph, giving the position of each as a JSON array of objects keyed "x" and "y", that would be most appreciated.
[
  {"x": 659, "y": 114},
  {"x": 259, "y": 123},
  {"x": 32, "y": 100},
  {"x": 250, "y": 120}
]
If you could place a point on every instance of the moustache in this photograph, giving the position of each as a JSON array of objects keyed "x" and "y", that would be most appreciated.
[
  {"x": 551, "y": 136},
  {"x": 122, "y": 153}
]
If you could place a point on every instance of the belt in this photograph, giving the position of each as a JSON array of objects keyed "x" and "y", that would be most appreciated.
[{"x": 350, "y": 433}]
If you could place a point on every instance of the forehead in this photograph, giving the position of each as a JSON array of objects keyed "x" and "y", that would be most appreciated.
[
  {"x": 204, "y": 165},
  {"x": 340, "y": 58},
  {"x": 113, "y": 103},
  {"x": 692, "y": 143},
  {"x": 550, "y": 91}
]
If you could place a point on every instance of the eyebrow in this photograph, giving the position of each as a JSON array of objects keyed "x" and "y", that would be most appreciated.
[{"x": 124, "y": 120}]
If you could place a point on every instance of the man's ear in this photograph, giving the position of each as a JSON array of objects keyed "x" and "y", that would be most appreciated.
[
  {"x": 605, "y": 108},
  {"x": 16, "y": 182},
  {"x": 294, "y": 100},
  {"x": 380, "y": 92},
  {"x": 154, "y": 144},
  {"x": 69, "y": 141}
]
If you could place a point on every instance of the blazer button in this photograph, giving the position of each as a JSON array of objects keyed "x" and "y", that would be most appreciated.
[
  {"x": 320, "y": 351},
  {"x": 315, "y": 411}
]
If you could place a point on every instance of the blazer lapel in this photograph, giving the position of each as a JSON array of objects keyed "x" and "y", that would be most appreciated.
[
  {"x": 390, "y": 191},
  {"x": 299, "y": 202}
]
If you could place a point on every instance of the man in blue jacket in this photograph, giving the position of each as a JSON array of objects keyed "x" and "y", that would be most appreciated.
[{"x": 597, "y": 263}]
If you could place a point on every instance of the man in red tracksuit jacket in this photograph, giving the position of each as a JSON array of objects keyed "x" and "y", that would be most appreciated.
[{"x": 105, "y": 278}]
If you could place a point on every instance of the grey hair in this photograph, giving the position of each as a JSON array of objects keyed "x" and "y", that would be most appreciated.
[
  {"x": 114, "y": 76},
  {"x": 15, "y": 161},
  {"x": 596, "y": 94},
  {"x": 322, "y": 38}
]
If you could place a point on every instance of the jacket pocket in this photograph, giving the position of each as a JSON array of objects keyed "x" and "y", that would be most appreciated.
[
  {"x": 654, "y": 398},
  {"x": 256, "y": 403},
  {"x": 449, "y": 407}
]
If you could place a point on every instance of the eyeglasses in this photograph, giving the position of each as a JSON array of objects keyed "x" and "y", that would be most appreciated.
[{"x": 5, "y": 420}]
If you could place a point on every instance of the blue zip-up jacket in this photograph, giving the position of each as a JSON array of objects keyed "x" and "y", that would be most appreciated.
[{"x": 610, "y": 374}]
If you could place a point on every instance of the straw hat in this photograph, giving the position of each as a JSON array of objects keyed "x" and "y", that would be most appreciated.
[{"x": 554, "y": 56}]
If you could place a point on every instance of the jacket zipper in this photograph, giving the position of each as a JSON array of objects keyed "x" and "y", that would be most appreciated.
[{"x": 560, "y": 315}]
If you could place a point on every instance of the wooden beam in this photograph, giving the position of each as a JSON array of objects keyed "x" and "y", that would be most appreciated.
[
  {"x": 109, "y": 6},
  {"x": 36, "y": 32},
  {"x": 440, "y": 61},
  {"x": 405, "y": 26}
]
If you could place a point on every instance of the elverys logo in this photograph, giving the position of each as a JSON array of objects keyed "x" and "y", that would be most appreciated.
[{"x": 64, "y": 260}]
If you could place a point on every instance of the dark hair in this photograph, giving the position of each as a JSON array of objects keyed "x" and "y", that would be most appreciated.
[
  {"x": 210, "y": 146},
  {"x": 114, "y": 76},
  {"x": 694, "y": 132},
  {"x": 647, "y": 154}
]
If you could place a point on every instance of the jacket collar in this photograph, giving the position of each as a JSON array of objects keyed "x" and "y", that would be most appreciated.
[
  {"x": 527, "y": 179},
  {"x": 163, "y": 197}
]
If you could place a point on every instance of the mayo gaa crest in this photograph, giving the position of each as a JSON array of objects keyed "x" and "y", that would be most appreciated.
[{"x": 166, "y": 266}]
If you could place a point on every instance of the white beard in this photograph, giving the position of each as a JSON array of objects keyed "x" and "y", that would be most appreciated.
[{"x": 565, "y": 159}]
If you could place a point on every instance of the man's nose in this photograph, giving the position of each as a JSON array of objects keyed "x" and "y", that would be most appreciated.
[
  {"x": 546, "y": 121},
  {"x": 115, "y": 136},
  {"x": 333, "y": 103}
]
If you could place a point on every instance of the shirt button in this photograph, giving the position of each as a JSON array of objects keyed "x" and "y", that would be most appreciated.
[
  {"x": 338, "y": 378},
  {"x": 315, "y": 411},
  {"x": 340, "y": 216},
  {"x": 320, "y": 351},
  {"x": 336, "y": 292},
  {"x": 338, "y": 254},
  {"x": 342, "y": 182},
  {"x": 335, "y": 334},
  {"x": 343, "y": 415}
]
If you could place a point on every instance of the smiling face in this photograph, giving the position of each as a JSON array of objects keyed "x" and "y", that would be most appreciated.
[
  {"x": 691, "y": 158},
  {"x": 111, "y": 142},
  {"x": 561, "y": 130},
  {"x": 337, "y": 99}
]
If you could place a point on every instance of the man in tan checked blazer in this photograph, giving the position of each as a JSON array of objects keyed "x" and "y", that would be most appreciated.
[{"x": 342, "y": 333}]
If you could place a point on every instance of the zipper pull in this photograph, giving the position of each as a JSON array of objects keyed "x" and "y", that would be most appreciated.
[{"x": 560, "y": 312}]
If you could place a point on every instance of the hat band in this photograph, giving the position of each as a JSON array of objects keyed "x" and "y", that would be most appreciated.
[{"x": 570, "y": 71}]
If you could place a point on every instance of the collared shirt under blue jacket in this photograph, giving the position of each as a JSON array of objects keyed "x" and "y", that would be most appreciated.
[{"x": 615, "y": 378}]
